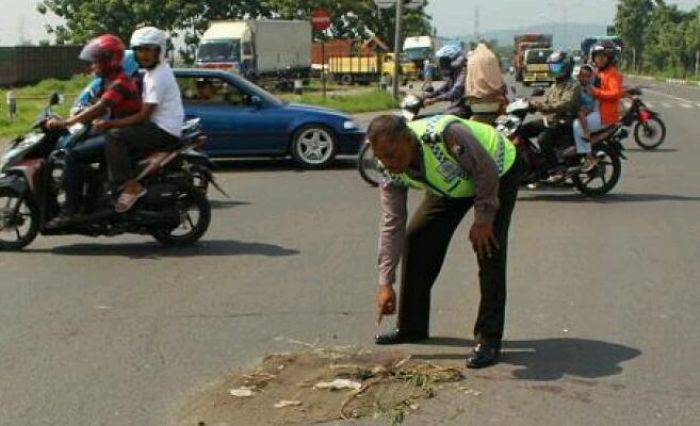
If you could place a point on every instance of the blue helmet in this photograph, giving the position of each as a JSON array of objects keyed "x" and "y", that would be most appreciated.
[
  {"x": 130, "y": 65},
  {"x": 451, "y": 51}
]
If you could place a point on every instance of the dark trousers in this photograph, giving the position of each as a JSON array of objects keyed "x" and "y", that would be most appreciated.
[
  {"x": 89, "y": 151},
  {"x": 548, "y": 137},
  {"x": 428, "y": 235},
  {"x": 125, "y": 142}
]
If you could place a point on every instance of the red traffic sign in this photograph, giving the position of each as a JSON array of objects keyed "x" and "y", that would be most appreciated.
[{"x": 320, "y": 19}]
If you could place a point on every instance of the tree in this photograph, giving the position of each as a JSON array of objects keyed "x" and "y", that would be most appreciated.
[
  {"x": 631, "y": 21},
  {"x": 85, "y": 19}
]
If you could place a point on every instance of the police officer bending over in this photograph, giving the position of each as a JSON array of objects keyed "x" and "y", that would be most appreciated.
[{"x": 459, "y": 164}]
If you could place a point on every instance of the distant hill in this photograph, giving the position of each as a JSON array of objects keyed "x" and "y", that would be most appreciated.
[{"x": 566, "y": 37}]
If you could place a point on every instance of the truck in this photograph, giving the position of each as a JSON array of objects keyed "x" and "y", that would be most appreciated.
[
  {"x": 536, "y": 68},
  {"x": 258, "y": 48},
  {"x": 419, "y": 48},
  {"x": 523, "y": 42},
  {"x": 367, "y": 69}
]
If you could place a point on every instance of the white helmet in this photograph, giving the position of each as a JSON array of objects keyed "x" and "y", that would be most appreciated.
[{"x": 150, "y": 37}]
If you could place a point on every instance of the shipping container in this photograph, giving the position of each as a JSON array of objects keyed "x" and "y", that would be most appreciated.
[{"x": 31, "y": 64}]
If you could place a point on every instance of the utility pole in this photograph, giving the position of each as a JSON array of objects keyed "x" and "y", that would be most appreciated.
[{"x": 397, "y": 50}]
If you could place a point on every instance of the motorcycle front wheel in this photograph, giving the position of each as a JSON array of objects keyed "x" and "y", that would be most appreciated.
[
  {"x": 368, "y": 166},
  {"x": 650, "y": 134},
  {"x": 19, "y": 220},
  {"x": 195, "y": 215},
  {"x": 603, "y": 178}
]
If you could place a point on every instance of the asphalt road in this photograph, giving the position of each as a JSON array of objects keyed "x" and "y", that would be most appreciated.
[{"x": 602, "y": 313}]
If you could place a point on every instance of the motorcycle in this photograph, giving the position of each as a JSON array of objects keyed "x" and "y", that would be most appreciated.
[
  {"x": 649, "y": 129},
  {"x": 174, "y": 211},
  {"x": 606, "y": 147}
]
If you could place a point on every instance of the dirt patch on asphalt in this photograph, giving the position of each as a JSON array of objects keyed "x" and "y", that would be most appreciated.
[{"x": 318, "y": 386}]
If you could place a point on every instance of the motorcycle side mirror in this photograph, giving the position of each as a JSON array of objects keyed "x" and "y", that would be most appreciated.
[{"x": 56, "y": 99}]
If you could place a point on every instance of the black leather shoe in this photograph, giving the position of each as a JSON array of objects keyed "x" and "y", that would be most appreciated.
[
  {"x": 397, "y": 336},
  {"x": 483, "y": 355}
]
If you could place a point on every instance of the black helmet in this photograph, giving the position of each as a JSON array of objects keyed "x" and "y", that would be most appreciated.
[
  {"x": 607, "y": 47},
  {"x": 561, "y": 65}
]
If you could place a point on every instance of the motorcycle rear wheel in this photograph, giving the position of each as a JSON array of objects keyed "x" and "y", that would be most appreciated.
[
  {"x": 194, "y": 200},
  {"x": 608, "y": 171},
  {"x": 19, "y": 220}
]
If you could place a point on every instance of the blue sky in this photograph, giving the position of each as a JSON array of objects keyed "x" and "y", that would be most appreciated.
[{"x": 452, "y": 17}]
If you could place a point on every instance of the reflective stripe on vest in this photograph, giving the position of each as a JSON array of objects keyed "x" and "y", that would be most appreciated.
[{"x": 443, "y": 174}]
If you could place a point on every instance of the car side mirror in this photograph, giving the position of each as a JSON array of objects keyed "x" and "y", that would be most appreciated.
[{"x": 256, "y": 101}]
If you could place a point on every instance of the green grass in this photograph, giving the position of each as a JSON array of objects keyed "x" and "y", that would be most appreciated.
[
  {"x": 38, "y": 94},
  {"x": 367, "y": 101}
]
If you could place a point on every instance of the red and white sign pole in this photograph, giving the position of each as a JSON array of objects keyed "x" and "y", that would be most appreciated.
[{"x": 320, "y": 21}]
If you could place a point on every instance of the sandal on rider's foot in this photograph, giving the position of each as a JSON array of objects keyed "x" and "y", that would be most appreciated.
[
  {"x": 61, "y": 221},
  {"x": 590, "y": 165},
  {"x": 127, "y": 200},
  {"x": 556, "y": 177}
]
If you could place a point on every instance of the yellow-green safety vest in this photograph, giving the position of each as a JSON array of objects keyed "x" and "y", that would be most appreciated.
[{"x": 443, "y": 175}]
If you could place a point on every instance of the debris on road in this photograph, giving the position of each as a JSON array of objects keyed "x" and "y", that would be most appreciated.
[
  {"x": 285, "y": 403},
  {"x": 334, "y": 384},
  {"x": 339, "y": 384},
  {"x": 243, "y": 392}
]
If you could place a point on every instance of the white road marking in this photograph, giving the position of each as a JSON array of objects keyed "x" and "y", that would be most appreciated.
[
  {"x": 665, "y": 105},
  {"x": 676, "y": 98},
  {"x": 686, "y": 106}
]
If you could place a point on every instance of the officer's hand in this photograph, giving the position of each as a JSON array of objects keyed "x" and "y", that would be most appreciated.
[
  {"x": 483, "y": 239},
  {"x": 386, "y": 302}
]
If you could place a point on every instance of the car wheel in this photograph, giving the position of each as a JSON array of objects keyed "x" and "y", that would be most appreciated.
[
  {"x": 346, "y": 79},
  {"x": 313, "y": 146}
]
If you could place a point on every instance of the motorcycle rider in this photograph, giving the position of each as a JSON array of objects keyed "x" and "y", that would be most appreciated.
[
  {"x": 608, "y": 91},
  {"x": 121, "y": 97},
  {"x": 588, "y": 120},
  {"x": 486, "y": 90},
  {"x": 92, "y": 92},
  {"x": 157, "y": 126},
  {"x": 560, "y": 105},
  {"x": 452, "y": 66}
]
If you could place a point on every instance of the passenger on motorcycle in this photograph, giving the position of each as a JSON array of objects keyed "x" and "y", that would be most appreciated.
[
  {"x": 608, "y": 91},
  {"x": 452, "y": 67},
  {"x": 486, "y": 90},
  {"x": 157, "y": 126},
  {"x": 121, "y": 97},
  {"x": 588, "y": 120},
  {"x": 560, "y": 105}
]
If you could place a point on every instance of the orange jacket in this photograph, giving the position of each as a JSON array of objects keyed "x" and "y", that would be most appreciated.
[{"x": 609, "y": 94}]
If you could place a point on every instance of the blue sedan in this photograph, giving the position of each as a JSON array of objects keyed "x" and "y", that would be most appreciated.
[{"x": 242, "y": 119}]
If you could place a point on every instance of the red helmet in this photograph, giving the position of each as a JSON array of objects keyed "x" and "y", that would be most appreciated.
[{"x": 106, "y": 50}]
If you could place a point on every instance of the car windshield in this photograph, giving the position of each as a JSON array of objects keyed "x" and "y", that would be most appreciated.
[
  {"x": 414, "y": 53},
  {"x": 538, "y": 56},
  {"x": 219, "y": 51}
]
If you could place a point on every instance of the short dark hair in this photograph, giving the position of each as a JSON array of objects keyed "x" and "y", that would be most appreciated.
[
  {"x": 386, "y": 126},
  {"x": 586, "y": 67}
]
